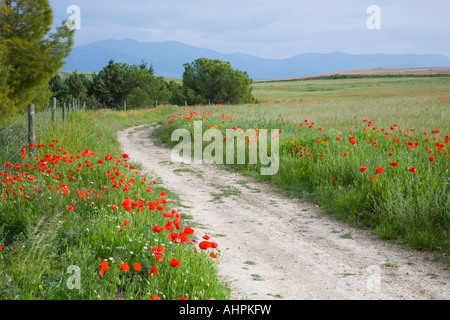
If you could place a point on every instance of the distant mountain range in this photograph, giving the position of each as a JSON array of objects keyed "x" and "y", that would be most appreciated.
[{"x": 168, "y": 58}]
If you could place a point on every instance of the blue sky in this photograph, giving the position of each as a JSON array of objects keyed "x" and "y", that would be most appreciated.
[{"x": 268, "y": 28}]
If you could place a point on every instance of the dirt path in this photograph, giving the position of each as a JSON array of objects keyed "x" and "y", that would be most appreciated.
[{"x": 274, "y": 247}]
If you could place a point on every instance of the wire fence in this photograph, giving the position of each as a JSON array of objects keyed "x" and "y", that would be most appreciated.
[{"x": 22, "y": 127}]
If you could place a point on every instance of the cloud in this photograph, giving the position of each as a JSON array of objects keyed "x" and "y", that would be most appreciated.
[{"x": 267, "y": 28}]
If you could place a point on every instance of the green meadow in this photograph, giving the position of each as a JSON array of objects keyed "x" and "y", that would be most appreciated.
[
  {"x": 372, "y": 152},
  {"x": 393, "y": 178}
]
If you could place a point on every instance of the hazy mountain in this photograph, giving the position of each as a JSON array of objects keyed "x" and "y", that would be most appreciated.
[{"x": 168, "y": 58}]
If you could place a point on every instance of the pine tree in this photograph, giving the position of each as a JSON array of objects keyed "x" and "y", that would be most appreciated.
[{"x": 33, "y": 53}]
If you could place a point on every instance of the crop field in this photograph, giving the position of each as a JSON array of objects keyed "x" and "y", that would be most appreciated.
[{"x": 372, "y": 152}]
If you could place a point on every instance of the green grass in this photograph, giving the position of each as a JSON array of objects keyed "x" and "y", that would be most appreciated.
[
  {"x": 410, "y": 208},
  {"x": 41, "y": 239}
]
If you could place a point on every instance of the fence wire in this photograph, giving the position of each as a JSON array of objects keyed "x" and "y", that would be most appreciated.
[{"x": 14, "y": 135}]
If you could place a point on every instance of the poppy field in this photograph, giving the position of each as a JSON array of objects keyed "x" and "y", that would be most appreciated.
[
  {"x": 373, "y": 152},
  {"x": 79, "y": 220}
]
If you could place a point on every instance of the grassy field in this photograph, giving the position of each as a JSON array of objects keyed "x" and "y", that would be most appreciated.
[
  {"x": 373, "y": 152},
  {"x": 78, "y": 221}
]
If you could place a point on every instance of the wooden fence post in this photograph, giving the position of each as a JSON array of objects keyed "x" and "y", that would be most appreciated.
[
  {"x": 54, "y": 110},
  {"x": 31, "y": 132},
  {"x": 64, "y": 111}
]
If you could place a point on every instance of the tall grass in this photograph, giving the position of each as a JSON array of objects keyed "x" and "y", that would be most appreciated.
[
  {"x": 76, "y": 201},
  {"x": 410, "y": 207}
]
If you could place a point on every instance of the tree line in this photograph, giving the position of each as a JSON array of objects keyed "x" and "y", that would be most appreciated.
[{"x": 204, "y": 81}]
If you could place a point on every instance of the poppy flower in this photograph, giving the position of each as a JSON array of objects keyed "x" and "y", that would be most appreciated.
[
  {"x": 189, "y": 230},
  {"x": 212, "y": 255},
  {"x": 136, "y": 266},
  {"x": 174, "y": 263},
  {"x": 431, "y": 159},
  {"x": 126, "y": 222},
  {"x": 69, "y": 207},
  {"x": 413, "y": 169},
  {"x": 104, "y": 265},
  {"x": 124, "y": 267},
  {"x": 155, "y": 297},
  {"x": 379, "y": 170},
  {"x": 362, "y": 169},
  {"x": 153, "y": 271},
  {"x": 205, "y": 245},
  {"x": 157, "y": 229}
]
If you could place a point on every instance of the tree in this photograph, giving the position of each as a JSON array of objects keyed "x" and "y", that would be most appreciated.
[
  {"x": 217, "y": 82},
  {"x": 33, "y": 54},
  {"x": 108, "y": 85},
  {"x": 6, "y": 105}
]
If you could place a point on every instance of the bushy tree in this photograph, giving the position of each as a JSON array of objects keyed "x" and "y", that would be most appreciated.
[
  {"x": 216, "y": 81},
  {"x": 118, "y": 83},
  {"x": 33, "y": 53}
]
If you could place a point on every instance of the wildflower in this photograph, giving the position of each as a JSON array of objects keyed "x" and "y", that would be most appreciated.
[
  {"x": 413, "y": 169},
  {"x": 431, "y": 159},
  {"x": 379, "y": 170},
  {"x": 126, "y": 222},
  {"x": 104, "y": 265},
  {"x": 362, "y": 169},
  {"x": 157, "y": 229},
  {"x": 189, "y": 230},
  {"x": 205, "y": 245},
  {"x": 136, "y": 266},
  {"x": 69, "y": 207},
  {"x": 153, "y": 271},
  {"x": 174, "y": 263},
  {"x": 124, "y": 267}
]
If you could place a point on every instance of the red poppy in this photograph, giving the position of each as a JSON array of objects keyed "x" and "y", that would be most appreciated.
[
  {"x": 126, "y": 222},
  {"x": 124, "y": 267},
  {"x": 379, "y": 170},
  {"x": 136, "y": 266},
  {"x": 69, "y": 207},
  {"x": 104, "y": 265},
  {"x": 413, "y": 169},
  {"x": 205, "y": 245},
  {"x": 157, "y": 229},
  {"x": 393, "y": 164},
  {"x": 189, "y": 230},
  {"x": 362, "y": 169},
  {"x": 431, "y": 159},
  {"x": 174, "y": 263},
  {"x": 153, "y": 271},
  {"x": 212, "y": 255}
]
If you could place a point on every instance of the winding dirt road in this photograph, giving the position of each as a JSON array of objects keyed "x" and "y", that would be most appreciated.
[{"x": 274, "y": 247}]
